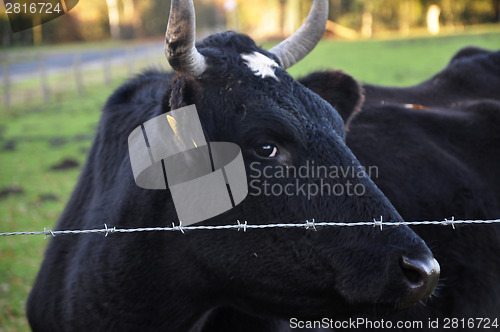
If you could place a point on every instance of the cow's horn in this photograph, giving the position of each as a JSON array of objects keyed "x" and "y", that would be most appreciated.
[
  {"x": 297, "y": 46},
  {"x": 180, "y": 39}
]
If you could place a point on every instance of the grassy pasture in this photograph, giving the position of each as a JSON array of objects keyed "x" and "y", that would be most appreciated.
[{"x": 36, "y": 136}]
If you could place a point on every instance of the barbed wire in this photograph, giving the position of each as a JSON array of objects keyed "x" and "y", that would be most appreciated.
[{"x": 245, "y": 226}]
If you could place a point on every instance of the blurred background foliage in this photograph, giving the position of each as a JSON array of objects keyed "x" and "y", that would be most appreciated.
[{"x": 94, "y": 20}]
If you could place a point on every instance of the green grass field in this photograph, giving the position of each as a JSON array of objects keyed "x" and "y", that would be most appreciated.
[{"x": 34, "y": 137}]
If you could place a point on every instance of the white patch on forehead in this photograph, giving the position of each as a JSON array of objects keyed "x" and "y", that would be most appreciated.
[{"x": 260, "y": 64}]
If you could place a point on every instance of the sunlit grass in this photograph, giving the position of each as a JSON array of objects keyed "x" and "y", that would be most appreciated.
[
  {"x": 42, "y": 136},
  {"x": 398, "y": 62}
]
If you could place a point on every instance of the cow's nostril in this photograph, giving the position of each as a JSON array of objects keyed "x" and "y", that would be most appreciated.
[
  {"x": 422, "y": 276},
  {"x": 414, "y": 271}
]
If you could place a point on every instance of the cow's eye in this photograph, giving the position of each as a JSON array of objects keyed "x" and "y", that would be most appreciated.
[{"x": 266, "y": 151}]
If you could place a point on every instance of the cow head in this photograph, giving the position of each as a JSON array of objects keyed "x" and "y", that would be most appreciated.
[{"x": 244, "y": 95}]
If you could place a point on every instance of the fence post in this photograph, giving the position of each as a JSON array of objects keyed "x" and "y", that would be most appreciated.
[
  {"x": 43, "y": 78},
  {"x": 130, "y": 61},
  {"x": 77, "y": 68},
  {"x": 6, "y": 81},
  {"x": 106, "y": 63},
  {"x": 150, "y": 55}
]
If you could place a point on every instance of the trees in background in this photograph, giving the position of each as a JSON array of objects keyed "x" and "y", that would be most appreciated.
[
  {"x": 124, "y": 19},
  {"x": 406, "y": 14}
]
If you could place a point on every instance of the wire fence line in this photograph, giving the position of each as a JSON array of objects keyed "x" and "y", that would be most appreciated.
[
  {"x": 49, "y": 74},
  {"x": 245, "y": 226}
]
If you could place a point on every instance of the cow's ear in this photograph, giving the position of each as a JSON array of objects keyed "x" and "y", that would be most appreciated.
[
  {"x": 342, "y": 91},
  {"x": 468, "y": 52},
  {"x": 185, "y": 91}
]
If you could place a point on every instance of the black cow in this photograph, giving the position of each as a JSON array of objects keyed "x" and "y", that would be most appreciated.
[
  {"x": 228, "y": 280},
  {"x": 437, "y": 146}
]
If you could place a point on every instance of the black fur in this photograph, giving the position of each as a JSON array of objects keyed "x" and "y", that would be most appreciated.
[
  {"x": 341, "y": 91},
  {"x": 220, "y": 280},
  {"x": 438, "y": 159}
]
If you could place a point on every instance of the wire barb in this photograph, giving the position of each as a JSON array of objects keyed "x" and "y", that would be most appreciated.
[
  {"x": 178, "y": 228},
  {"x": 108, "y": 230},
  {"x": 378, "y": 222},
  {"x": 310, "y": 225},
  {"x": 242, "y": 226},
  {"x": 47, "y": 232},
  {"x": 450, "y": 222}
]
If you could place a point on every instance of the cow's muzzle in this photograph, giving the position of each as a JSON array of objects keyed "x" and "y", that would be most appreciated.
[{"x": 421, "y": 275}]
